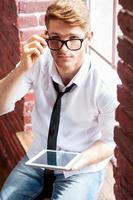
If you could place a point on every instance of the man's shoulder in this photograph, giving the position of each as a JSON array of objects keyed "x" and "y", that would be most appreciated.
[{"x": 105, "y": 74}]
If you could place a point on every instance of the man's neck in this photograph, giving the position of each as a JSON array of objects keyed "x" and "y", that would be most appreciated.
[{"x": 68, "y": 76}]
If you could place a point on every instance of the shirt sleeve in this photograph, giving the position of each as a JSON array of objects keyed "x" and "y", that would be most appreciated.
[
  {"x": 107, "y": 103},
  {"x": 26, "y": 84},
  {"x": 24, "y": 87}
]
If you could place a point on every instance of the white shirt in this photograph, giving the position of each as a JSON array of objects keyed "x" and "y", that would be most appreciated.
[{"x": 87, "y": 112}]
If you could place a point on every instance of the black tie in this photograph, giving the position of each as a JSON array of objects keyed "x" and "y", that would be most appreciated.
[
  {"x": 49, "y": 177},
  {"x": 55, "y": 117}
]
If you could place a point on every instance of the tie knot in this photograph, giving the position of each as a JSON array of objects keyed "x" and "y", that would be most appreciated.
[{"x": 56, "y": 86}]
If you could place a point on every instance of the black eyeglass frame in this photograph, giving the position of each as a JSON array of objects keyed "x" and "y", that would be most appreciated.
[{"x": 65, "y": 42}]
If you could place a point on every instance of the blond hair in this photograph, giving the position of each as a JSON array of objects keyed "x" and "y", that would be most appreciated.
[{"x": 73, "y": 12}]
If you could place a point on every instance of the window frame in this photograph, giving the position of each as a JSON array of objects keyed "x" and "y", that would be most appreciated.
[{"x": 114, "y": 56}]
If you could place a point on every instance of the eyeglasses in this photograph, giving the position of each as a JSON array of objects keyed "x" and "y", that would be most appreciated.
[{"x": 72, "y": 44}]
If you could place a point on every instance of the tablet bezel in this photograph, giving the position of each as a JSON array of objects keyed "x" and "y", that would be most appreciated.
[{"x": 32, "y": 162}]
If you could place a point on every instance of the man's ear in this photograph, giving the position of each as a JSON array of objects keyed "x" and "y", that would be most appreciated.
[{"x": 89, "y": 35}]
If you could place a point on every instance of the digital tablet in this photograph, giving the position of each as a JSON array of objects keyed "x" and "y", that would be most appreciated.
[{"x": 53, "y": 159}]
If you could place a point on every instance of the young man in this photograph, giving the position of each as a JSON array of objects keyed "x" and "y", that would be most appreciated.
[{"x": 87, "y": 111}]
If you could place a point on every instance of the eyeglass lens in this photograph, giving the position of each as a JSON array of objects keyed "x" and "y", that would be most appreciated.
[{"x": 74, "y": 44}]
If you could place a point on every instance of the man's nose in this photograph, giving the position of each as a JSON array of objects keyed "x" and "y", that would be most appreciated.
[{"x": 64, "y": 47}]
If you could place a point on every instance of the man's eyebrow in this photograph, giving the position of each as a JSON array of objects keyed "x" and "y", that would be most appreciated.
[
  {"x": 53, "y": 33},
  {"x": 70, "y": 35}
]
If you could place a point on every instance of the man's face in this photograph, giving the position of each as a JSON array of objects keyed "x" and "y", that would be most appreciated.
[{"x": 67, "y": 61}]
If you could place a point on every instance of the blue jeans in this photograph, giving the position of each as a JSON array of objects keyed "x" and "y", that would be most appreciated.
[{"x": 26, "y": 183}]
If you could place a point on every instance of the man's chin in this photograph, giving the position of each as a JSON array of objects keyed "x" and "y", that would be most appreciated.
[{"x": 66, "y": 65}]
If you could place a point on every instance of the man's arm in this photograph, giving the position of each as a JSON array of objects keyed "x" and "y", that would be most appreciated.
[
  {"x": 10, "y": 85},
  {"x": 104, "y": 147},
  {"x": 99, "y": 151}
]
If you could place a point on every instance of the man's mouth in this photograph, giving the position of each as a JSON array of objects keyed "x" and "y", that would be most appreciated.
[{"x": 64, "y": 56}]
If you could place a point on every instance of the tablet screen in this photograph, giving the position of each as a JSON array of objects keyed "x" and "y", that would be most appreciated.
[{"x": 53, "y": 159}]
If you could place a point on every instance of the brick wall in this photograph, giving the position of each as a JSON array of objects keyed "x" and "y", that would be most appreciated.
[
  {"x": 123, "y": 136},
  {"x": 19, "y": 20},
  {"x": 9, "y": 56},
  {"x": 31, "y": 17}
]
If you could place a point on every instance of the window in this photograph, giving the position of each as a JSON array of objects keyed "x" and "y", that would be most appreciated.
[{"x": 103, "y": 47}]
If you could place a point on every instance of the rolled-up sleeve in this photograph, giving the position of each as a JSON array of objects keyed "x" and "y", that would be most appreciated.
[
  {"x": 107, "y": 104},
  {"x": 25, "y": 85}
]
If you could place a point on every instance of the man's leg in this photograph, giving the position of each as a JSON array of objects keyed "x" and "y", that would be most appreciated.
[
  {"x": 84, "y": 186},
  {"x": 23, "y": 183}
]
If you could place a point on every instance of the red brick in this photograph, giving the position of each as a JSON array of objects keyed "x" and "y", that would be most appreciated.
[
  {"x": 128, "y": 4},
  {"x": 125, "y": 22},
  {"x": 123, "y": 135},
  {"x": 128, "y": 109},
  {"x": 8, "y": 39},
  {"x": 120, "y": 180},
  {"x": 124, "y": 168},
  {"x": 116, "y": 174},
  {"x": 27, "y": 21},
  {"x": 19, "y": 106},
  {"x": 118, "y": 193},
  {"x": 9, "y": 56},
  {"x": 121, "y": 194},
  {"x": 33, "y": 6},
  {"x": 27, "y": 119},
  {"x": 128, "y": 134},
  {"x": 28, "y": 107},
  {"x": 124, "y": 182},
  {"x": 8, "y": 9},
  {"x": 125, "y": 73},
  {"x": 124, "y": 95},
  {"x": 9, "y": 125},
  {"x": 124, "y": 144},
  {"x": 15, "y": 121},
  {"x": 26, "y": 33},
  {"x": 27, "y": 128},
  {"x": 42, "y": 20},
  {"x": 124, "y": 173},
  {"x": 125, "y": 51},
  {"x": 125, "y": 121}
]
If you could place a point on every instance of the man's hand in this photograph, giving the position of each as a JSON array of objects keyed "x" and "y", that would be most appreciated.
[
  {"x": 32, "y": 50},
  {"x": 99, "y": 151},
  {"x": 80, "y": 163}
]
